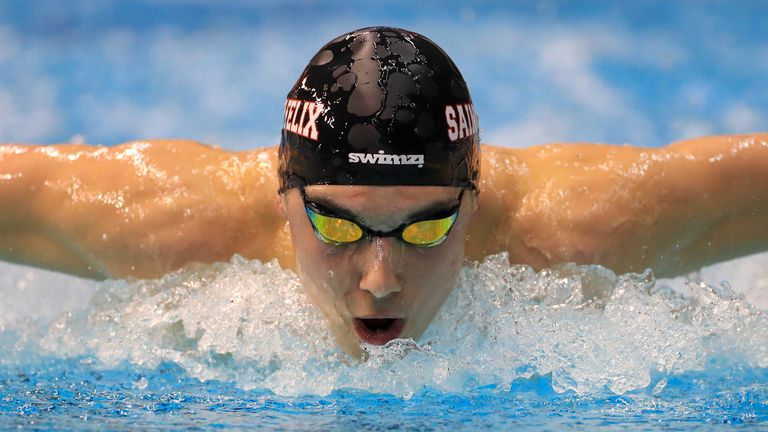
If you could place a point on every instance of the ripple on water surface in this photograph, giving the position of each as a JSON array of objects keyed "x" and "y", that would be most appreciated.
[{"x": 236, "y": 342}]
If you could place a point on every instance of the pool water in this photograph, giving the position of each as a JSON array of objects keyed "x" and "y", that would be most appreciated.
[
  {"x": 73, "y": 394},
  {"x": 236, "y": 345}
]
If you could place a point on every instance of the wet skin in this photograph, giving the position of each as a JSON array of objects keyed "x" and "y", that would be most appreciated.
[
  {"x": 384, "y": 277},
  {"x": 145, "y": 208},
  {"x": 142, "y": 209}
]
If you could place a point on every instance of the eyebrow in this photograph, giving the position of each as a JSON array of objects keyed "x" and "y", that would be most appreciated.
[{"x": 436, "y": 208}]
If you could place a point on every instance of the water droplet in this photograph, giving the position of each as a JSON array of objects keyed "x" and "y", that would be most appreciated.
[
  {"x": 379, "y": 249},
  {"x": 363, "y": 136},
  {"x": 659, "y": 386},
  {"x": 366, "y": 98},
  {"x": 382, "y": 51},
  {"x": 141, "y": 384},
  {"x": 322, "y": 58},
  {"x": 405, "y": 50},
  {"x": 419, "y": 69},
  {"x": 346, "y": 81}
]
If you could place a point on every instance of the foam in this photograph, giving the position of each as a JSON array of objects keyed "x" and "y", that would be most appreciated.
[{"x": 249, "y": 322}]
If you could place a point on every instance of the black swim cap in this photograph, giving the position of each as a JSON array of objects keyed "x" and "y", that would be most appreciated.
[{"x": 380, "y": 106}]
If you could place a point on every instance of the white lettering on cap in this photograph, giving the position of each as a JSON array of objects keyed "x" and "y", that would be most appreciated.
[
  {"x": 461, "y": 120},
  {"x": 301, "y": 117},
  {"x": 382, "y": 158}
]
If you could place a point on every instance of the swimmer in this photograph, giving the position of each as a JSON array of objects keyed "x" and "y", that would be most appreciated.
[{"x": 378, "y": 193}]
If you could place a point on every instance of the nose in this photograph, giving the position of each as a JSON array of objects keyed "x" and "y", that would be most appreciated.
[{"x": 379, "y": 274}]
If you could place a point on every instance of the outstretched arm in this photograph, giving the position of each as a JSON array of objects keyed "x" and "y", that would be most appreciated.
[
  {"x": 673, "y": 209},
  {"x": 139, "y": 209}
]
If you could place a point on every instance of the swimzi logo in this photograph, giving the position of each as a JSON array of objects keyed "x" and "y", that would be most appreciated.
[{"x": 381, "y": 158}]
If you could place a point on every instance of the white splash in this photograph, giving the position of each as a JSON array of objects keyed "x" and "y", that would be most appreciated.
[{"x": 249, "y": 323}]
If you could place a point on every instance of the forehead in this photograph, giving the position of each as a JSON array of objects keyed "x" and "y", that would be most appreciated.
[{"x": 389, "y": 201}]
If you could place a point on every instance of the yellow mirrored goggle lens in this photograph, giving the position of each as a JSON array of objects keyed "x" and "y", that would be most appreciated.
[
  {"x": 335, "y": 229},
  {"x": 429, "y": 231},
  {"x": 423, "y": 233}
]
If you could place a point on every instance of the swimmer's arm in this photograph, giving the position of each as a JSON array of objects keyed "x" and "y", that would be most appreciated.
[
  {"x": 673, "y": 209},
  {"x": 716, "y": 190},
  {"x": 136, "y": 210}
]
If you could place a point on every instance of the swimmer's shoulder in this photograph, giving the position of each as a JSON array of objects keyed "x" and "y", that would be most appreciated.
[
  {"x": 537, "y": 198},
  {"x": 190, "y": 148},
  {"x": 191, "y": 157}
]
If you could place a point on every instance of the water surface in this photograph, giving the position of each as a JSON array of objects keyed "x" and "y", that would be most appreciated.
[{"x": 236, "y": 344}]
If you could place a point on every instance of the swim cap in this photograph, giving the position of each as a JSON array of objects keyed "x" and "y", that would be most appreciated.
[{"x": 380, "y": 106}]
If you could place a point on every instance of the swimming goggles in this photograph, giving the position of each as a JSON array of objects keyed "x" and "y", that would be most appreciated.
[{"x": 425, "y": 230}]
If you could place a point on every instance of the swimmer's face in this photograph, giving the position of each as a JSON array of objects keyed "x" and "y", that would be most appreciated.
[{"x": 378, "y": 290}]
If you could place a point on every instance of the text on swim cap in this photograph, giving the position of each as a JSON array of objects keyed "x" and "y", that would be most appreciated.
[
  {"x": 461, "y": 120},
  {"x": 301, "y": 117},
  {"x": 381, "y": 158}
]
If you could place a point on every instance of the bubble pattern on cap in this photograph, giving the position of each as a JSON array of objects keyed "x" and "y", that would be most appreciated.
[{"x": 372, "y": 93}]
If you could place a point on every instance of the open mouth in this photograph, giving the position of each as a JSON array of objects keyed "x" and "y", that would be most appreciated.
[{"x": 378, "y": 331}]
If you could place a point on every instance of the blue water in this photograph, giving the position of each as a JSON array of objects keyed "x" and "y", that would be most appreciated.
[
  {"x": 236, "y": 345},
  {"x": 76, "y": 394}
]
